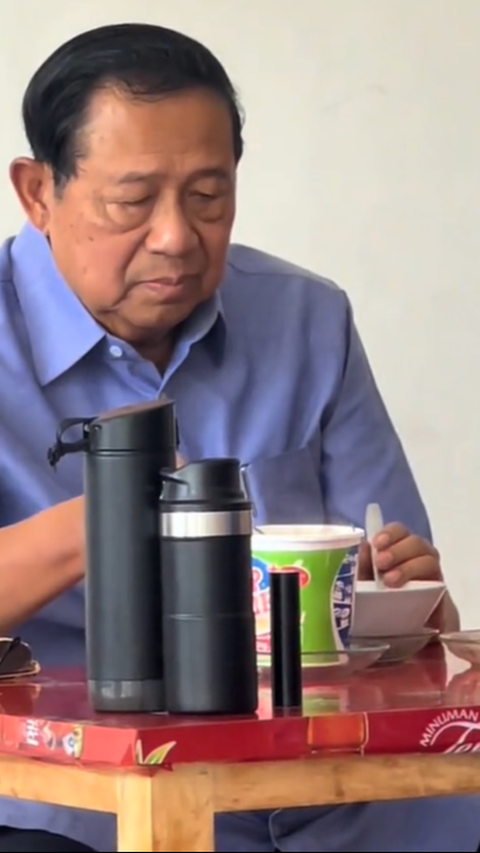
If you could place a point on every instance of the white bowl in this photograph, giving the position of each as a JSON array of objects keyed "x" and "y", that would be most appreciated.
[{"x": 394, "y": 612}]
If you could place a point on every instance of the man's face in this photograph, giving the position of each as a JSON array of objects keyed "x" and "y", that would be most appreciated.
[{"x": 140, "y": 234}]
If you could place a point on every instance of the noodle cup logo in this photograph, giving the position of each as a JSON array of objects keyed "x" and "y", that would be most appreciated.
[
  {"x": 261, "y": 591},
  {"x": 261, "y": 596}
]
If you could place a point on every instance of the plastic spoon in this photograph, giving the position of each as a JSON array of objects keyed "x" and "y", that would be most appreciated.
[{"x": 373, "y": 526}]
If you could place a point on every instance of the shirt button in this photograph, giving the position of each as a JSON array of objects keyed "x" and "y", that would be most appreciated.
[{"x": 116, "y": 351}]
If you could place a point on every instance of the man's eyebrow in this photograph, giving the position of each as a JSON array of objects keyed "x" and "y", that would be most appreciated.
[
  {"x": 216, "y": 172},
  {"x": 141, "y": 177},
  {"x": 134, "y": 177}
]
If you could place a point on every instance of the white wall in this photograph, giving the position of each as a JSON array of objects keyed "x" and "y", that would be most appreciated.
[{"x": 362, "y": 163}]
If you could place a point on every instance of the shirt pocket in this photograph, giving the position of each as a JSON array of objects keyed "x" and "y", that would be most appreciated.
[{"x": 285, "y": 489}]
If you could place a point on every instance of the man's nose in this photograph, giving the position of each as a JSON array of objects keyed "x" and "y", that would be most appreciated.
[{"x": 171, "y": 232}]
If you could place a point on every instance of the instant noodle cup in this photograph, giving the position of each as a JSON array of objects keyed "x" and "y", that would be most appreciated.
[{"x": 326, "y": 558}]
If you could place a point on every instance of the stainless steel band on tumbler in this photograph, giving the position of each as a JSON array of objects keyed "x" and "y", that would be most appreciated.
[{"x": 193, "y": 525}]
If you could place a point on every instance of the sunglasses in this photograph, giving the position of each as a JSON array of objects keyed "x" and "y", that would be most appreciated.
[{"x": 16, "y": 658}]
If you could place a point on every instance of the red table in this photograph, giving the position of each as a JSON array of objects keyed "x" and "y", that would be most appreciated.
[{"x": 388, "y": 733}]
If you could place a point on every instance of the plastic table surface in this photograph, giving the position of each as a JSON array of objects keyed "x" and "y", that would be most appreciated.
[{"x": 389, "y": 732}]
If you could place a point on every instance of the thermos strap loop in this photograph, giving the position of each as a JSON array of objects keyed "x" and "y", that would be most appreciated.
[{"x": 61, "y": 448}]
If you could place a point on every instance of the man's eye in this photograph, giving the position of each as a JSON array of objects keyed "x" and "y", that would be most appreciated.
[
  {"x": 135, "y": 202},
  {"x": 205, "y": 196}
]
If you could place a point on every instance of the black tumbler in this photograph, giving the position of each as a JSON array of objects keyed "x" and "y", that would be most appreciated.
[
  {"x": 208, "y": 620},
  {"x": 125, "y": 451}
]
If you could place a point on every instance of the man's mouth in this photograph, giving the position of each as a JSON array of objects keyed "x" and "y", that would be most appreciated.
[
  {"x": 169, "y": 288},
  {"x": 170, "y": 280}
]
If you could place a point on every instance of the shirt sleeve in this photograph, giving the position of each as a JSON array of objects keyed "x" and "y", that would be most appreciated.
[{"x": 362, "y": 458}]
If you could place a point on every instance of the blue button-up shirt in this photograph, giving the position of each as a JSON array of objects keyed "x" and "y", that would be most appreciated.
[{"x": 271, "y": 370}]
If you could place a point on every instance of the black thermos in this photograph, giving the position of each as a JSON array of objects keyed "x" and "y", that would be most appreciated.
[
  {"x": 125, "y": 451},
  {"x": 208, "y": 620}
]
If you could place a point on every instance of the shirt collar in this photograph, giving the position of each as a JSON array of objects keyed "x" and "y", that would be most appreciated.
[{"x": 60, "y": 329}]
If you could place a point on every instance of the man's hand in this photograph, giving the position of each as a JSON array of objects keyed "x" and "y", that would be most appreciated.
[{"x": 401, "y": 557}]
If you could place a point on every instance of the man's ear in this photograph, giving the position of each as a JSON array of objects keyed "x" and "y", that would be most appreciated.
[{"x": 33, "y": 185}]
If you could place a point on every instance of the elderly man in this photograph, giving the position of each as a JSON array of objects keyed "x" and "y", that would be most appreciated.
[{"x": 124, "y": 284}]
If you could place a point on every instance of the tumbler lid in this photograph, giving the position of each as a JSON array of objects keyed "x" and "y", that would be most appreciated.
[{"x": 206, "y": 485}]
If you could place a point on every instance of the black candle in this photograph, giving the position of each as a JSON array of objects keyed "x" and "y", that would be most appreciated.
[{"x": 286, "y": 660}]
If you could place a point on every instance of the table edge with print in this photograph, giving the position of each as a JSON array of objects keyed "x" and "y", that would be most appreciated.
[
  {"x": 172, "y": 809},
  {"x": 421, "y": 706},
  {"x": 165, "y": 779}
]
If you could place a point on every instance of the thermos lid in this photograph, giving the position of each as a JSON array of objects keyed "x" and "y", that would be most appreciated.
[
  {"x": 147, "y": 427},
  {"x": 209, "y": 484}
]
